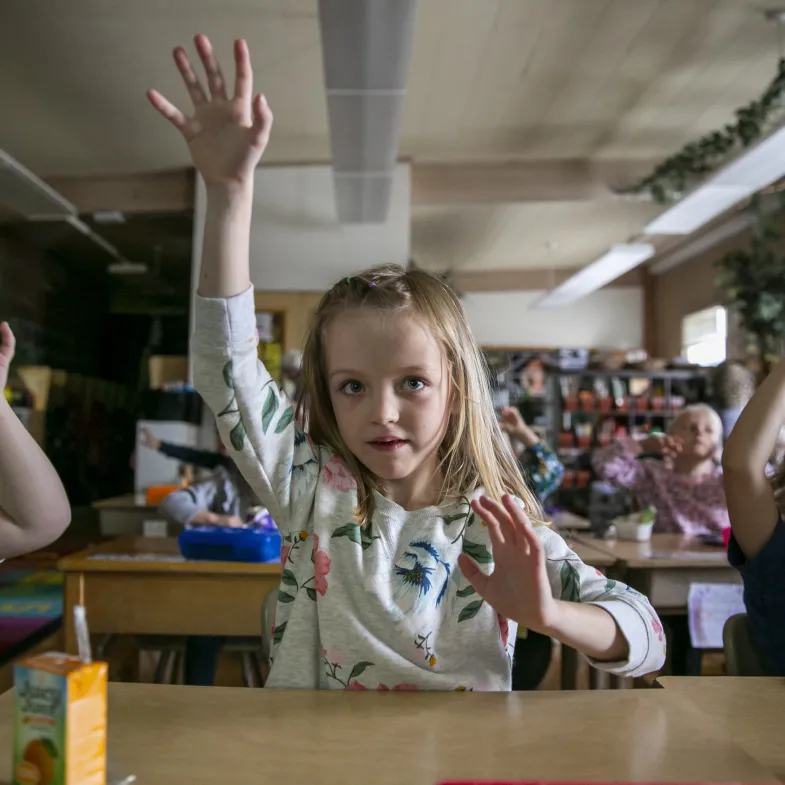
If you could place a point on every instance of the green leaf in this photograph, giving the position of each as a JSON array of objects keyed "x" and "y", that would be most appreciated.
[
  {"x": 228, "y": 375},
  {"x": 49, "y": 746},
  {"x": 229, "y": 408},
  {"x": 287, "y": 577},
  {"x": 269, "y": 408},
  {"x": 368, "y": 541},
  {"x": 452, "y": 518},
  {"x": 467, "y": 592},
  {"x": 570, "y": 583},
  {"x": 284, "y": 598},
  {"x": 477, "y": 551},
  {"x": 610, "y": 585},
  {"x": 279, "y": 631},
  {"x": 359, "y": 669},
  {"x": 470, "y": 610},
  {"x": 285, "y": 420},
  {"x": 311, "y": 592},
  {"x": 350, "y": 530},
  {"x": 237, "y": 436}
]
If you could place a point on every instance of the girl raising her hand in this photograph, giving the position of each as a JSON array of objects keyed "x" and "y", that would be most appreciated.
[{"x": 412, "y": 545}]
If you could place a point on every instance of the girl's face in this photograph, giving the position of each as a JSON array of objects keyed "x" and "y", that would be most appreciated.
[
  {"x": 698, "y": 435},
  {"x": 390, "y": 391}
]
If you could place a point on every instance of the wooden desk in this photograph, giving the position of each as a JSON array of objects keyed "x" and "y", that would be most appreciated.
[
  {"x": 159, "y": 597},
  {"x": 664, "y": 567},
  {"x": 750, "y": 711},
  {"x": 125, "y": 515},
  {"x": 170, "y": 735},
  {"x": 588, "y": 552}
]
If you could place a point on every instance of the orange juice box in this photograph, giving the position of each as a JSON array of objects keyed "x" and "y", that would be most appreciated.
[{"x": 59, "y": 721}]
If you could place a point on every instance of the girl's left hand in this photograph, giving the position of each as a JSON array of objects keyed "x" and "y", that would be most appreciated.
[{"x": 518, "y": 588}]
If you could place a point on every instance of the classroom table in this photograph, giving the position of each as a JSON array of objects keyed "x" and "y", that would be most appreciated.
[
  {"x": 664, "y": 567},
  {"x": 169, "y": 735},
  {"x": 137, "y": 586},
  {"x": 125, "y": 515},
  {"x": 750, "y": 711}
]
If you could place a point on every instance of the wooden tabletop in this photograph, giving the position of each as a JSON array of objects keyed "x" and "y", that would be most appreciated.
[
  {"x": 171, "y": 735},
  {"x": 128, "y": 501},
  {"x": 750, "y": 711},
  {"x": 588, "y": 552},
  {"x": 163, "y": 555},
  {"x": 663, "y": 550}
]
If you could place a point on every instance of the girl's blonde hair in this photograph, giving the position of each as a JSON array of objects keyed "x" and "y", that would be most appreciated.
[{"x": 474, "y": 452}]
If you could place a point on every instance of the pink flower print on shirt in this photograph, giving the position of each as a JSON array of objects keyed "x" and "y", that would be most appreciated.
[
  {"x": 336, "y": 475},
  {"x": 657, "y": 627},
  {"x": 321, "y": 565},
  {"x": 355, "y": 685},
  {"x": 504, "y": 629},
  {"x": 406, "y": 688},
  {"x": 284, "y": 554}
]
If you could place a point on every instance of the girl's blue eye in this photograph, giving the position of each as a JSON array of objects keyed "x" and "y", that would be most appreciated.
[
  {"x": 351, "y": 388},
  {"x": 414, "y": 385}
]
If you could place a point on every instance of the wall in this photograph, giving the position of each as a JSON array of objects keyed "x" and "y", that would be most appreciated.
[
  {"x": 297, "y": 308},
  {"x": 608, "y": 319},
  {"x": 55, "y": 313},
  {"x": 684, "y": 290}
]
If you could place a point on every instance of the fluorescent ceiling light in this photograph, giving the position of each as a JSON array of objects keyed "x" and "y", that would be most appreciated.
[
  {"x": 757, "y": 168},
  {"x": 617, "y": 261}
]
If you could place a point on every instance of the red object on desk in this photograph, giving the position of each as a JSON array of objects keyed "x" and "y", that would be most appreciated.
[{"x": 726, "y": 537}]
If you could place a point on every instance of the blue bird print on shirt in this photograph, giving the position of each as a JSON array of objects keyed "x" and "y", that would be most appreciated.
[{"x": 424, "y": 566}]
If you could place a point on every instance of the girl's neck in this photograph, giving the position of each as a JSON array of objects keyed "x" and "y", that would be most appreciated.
[{"x": 419, "y": 490}]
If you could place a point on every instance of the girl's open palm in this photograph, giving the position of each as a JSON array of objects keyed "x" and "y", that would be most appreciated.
[
  {"x": 226, "y": 135},
  {"x": 518, "y": 588}
]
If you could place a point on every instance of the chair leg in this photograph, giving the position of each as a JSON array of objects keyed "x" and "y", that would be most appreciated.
[
  {"x": 248, "y": 670},
  {"x": 256, "y": 664},
  {"x": 165, "y": 660}
]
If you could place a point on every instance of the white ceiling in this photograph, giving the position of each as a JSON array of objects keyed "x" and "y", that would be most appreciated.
[{"x": 490, "y": 80}]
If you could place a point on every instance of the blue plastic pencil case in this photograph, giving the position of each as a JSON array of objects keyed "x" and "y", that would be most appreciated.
[{"x": 222, "y": 543}]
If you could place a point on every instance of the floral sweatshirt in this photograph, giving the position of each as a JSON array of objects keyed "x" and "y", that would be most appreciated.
[
  {"x": 383, "y": 606},
  {"x": 685, "y": 504}
]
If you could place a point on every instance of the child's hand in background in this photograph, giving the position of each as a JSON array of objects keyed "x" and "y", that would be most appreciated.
[
  {"x": 512, "y": 422},
  {"x": 7, "y": 348},
  {"x": 518, "y": 588},
  {"x": 226, "y": 135},
  {"x": 666, "y": 446}
]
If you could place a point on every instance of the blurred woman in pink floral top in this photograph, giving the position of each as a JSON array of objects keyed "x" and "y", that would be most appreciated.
[{"x": 685, "y": 486}]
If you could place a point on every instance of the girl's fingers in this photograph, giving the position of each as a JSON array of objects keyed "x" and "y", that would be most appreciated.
[
  {"x": 524, "y": 529},
  {"x": 262, "y": 122},
  {"x": 192, "y": 83},
  {"x": 215, "y": 77},
  {"x": 243, "y": 79},
  {"x": 168, "y": 110},
  {"x": 500, "y": 514},
  {"x": 494, "y": 529},
  {"x": 472, "y": 572}
]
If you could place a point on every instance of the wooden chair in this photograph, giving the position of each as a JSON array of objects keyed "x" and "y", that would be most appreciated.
[{"x": 742, "y": 656}]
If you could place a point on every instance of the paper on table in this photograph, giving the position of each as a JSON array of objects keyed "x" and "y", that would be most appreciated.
[{"x": 709, "y": 606}]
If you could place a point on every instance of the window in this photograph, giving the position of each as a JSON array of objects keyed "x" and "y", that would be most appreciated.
[{"x": 704, "y": 336}]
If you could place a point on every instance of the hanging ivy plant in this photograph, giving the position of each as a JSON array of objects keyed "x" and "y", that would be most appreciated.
[
  {"x": 677, "y": 174},
  {"x": 753, "y": 282}
]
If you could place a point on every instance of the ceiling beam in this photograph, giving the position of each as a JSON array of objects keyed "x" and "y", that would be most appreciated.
[
  {"x": 533, "y": 279},
  {"x": 160, "y": 192},
  {"x": 458, "y": 184},
  {"x": 558, "y": 180}
]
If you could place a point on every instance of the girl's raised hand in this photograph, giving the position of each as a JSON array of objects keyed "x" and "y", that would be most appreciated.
[
  {"x": 518, "y": 588},
  {"x": 225, "y": 134}
]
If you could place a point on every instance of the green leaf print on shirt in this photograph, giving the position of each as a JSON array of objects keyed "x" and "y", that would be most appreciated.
[
  {"x": 477, "y": 551},
  {"x": 610, "y": 585},
  {"x": 287, "y": 577},
  {"x": 467, "y": 592},
  {"x": 285, "y": 420},
  {"x": 228, "y": 375},
  {"x": 350, "y": 530},
  {"x": 470, "y": 610},
  {"x": 359, "y": 669},
  {"x": 570, "y": 583},
  {"x": 269, "y": 409},
  {"x": 311, "y": 592},
  {"x": 284, "y": 598},
  {"x": 237, "y": 435},
  {"x": 278, "y": 634}
]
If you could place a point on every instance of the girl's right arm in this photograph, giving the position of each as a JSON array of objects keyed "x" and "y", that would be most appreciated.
[
  {"x": 226, "y": 137},
  {"x": 618, "y": 463},
  {"x": 749, "y": 495}
]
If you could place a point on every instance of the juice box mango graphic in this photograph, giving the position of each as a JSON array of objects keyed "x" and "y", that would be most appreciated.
[{"x": 59, "y": 721}]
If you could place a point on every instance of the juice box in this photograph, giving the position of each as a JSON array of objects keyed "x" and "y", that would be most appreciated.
[{"x": 59, "y": 721}]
